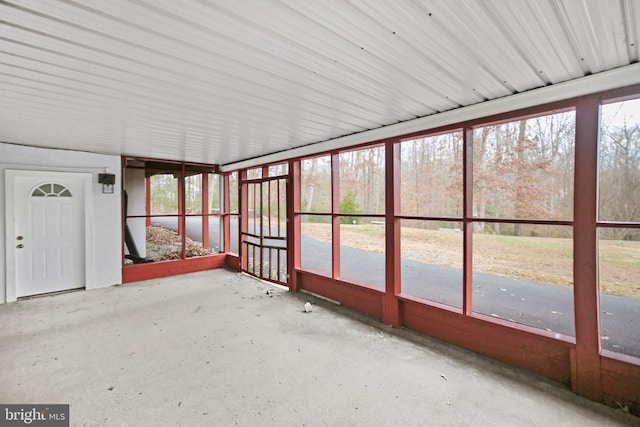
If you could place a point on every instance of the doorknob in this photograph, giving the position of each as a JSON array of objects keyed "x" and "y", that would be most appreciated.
[
  {"x": 20, "y": 246},
  {"x": 19, "y": 238}
]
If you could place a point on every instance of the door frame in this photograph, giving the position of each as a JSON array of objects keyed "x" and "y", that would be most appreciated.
[
  {"x": 10, "y": 250},
  {"x": 244, "y": 232}
]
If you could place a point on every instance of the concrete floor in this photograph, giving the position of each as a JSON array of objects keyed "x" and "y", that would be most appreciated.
[{"x": 219, "y": 348}]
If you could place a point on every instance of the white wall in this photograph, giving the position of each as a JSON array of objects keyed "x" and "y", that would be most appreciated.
[{"x": 107, "y": 223}]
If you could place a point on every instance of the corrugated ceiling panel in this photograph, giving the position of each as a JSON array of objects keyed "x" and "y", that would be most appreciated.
[
  {"x": 631, "y": 13},
  {"x": 221, "y": 81},
  {"x": 536, "y": 31},
  {"x": 419, "y": 52},
  {"x": 599, "y": 30},
  {"x": 379, "y": 55},
  {"x": 483, "y": 42},
  {"x": 301, "y": 65}
]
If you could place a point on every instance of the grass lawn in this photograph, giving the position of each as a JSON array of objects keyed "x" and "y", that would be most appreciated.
[{"x": 537, "y": 259}]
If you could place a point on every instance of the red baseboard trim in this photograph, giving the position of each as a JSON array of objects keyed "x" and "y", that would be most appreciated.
[
  {"x": 154, "y": 270},
  {"x": 357, "y": 297}
]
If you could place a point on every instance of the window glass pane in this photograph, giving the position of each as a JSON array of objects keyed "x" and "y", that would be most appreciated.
[
  {"x": 194, "y": 241},
  {"x": 362, "y": 246},
  {"x": 135, "y": 203},
  {"x": 214, "y": 194},
  {"x": 254, "y": 173},
  {"x": 527, "y": 277},
  {"x": 278, "y": 170},
  {"x": 163, "y": 242},
  {"x": 51, "y": 190},
  {"x": 38, "y": 193},
  {"x": 195, "y": 249},
  {"x": 135, "y": 244},
  {"x": 315, "y": 248},
  {"x": 274, "y": 214},
  {"x": 233, "y": 233},
  {"x": 431, "y": 260},
  {"x": 362, "y": 181},
  {"x": 315, "y": 185},
  {"x": 135, "y": 192},
  {"x": 619, "y": 177},
  {"x": 619, "y": 252},
  {"x": 233, "y": 192},
  {"x": 254, "y": 208},
  {"x": 524, "y": 169},
  {"x": 160, "y": 236},
  {"x": 193, "y": 194},
  {"x": 164, "y": 194},
  {"x": 216, "y": 233},
  {"x": 431, "y": 176}
]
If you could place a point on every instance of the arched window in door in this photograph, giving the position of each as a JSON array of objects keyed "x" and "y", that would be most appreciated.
[{"x": 51, "y": 190}]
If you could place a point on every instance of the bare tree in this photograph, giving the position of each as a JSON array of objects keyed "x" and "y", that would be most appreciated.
[{"x": 620, "y": 174}]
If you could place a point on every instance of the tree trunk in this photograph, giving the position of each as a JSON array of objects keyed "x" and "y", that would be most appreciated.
[{"x": 312, "y": 185}]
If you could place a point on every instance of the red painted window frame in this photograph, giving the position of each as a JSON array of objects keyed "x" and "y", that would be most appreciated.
[
  {"x": 603, "y": 376},
  {"x": 145, "y": 271}
]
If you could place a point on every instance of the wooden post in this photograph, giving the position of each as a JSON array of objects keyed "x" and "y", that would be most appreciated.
[
  {"x": 587, "y": 372},
  {"x": 467, "y": 245},
  {"x": 390, "y": 303},
  {"x": 205, "y": 210},
  {"x": 147, "y": 182},
  {"x": 335, "y": 218},
  {"x": 182, "y": 210},
  {"x": 293, "y": 224},
  {"x": 226, "y": 243},
  {"x": 244, "y": 218}
]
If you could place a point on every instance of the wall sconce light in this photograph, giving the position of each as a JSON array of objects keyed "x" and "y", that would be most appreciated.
[{"x": 107, "y": 180}]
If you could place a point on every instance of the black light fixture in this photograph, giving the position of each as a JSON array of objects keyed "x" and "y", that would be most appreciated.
[{"x": 107, "y": 180}]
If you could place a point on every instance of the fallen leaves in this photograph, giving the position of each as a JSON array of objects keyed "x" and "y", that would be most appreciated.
[{"x": 164, "y": 244}]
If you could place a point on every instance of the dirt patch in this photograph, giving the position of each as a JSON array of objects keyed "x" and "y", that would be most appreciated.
[{"x": 164, "y": 244}]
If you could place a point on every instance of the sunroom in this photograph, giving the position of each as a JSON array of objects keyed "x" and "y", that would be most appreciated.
[{"x": 466, "y": 170}]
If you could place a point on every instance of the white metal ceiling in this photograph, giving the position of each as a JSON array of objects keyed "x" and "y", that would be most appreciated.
[{"x": 221, "y": 81}]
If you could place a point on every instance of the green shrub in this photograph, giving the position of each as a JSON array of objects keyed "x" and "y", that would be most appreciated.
[{"x": 349, "y": 204}]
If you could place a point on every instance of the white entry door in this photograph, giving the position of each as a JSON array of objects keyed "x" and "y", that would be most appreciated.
[{"x": 47, "y": 236}]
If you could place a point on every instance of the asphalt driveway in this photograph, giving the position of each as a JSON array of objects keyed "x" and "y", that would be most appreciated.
[{"x": 541, "y": 305}]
